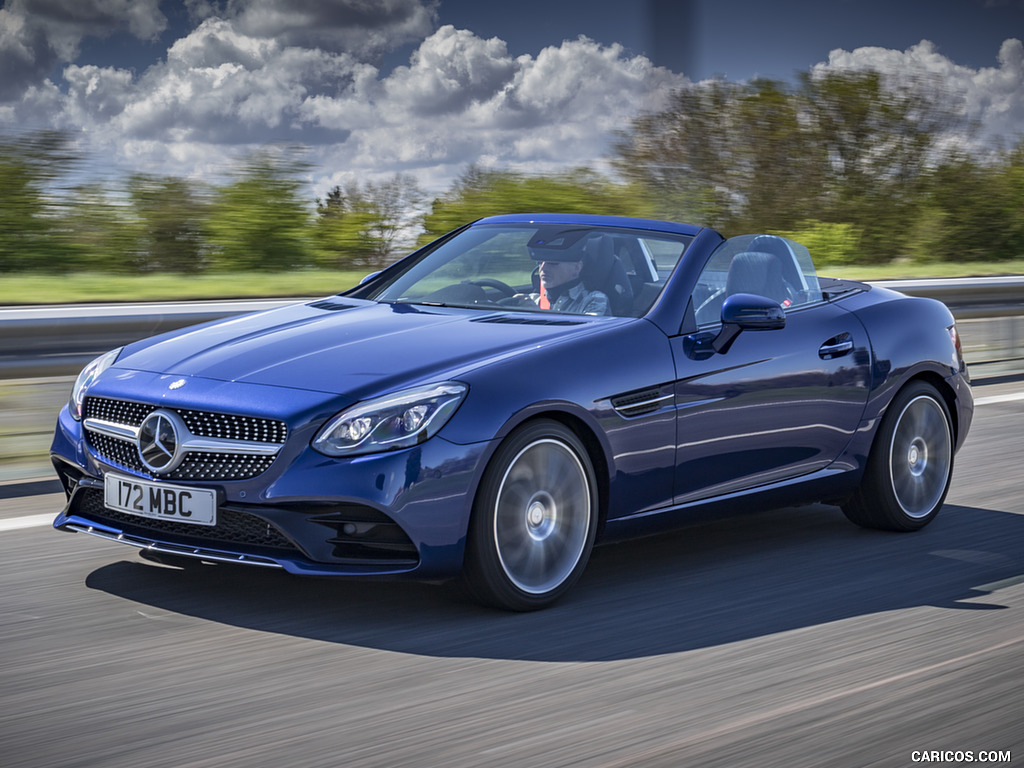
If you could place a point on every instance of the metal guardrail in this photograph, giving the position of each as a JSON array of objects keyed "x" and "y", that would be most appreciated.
[
  {"x": 990, "y": 318},
  {"x": 976, "y": 297},
  {"x": 59, "y": 340}
]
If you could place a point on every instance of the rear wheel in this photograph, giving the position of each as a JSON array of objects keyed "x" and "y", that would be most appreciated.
[
  {"x": 910, "y": 465},
  {"x": 534, "y": 519}
]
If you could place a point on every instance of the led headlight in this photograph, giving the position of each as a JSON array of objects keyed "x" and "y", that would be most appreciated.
[
  {"x": 394, "y": 421},
  {"x": 87, "y": 378}
]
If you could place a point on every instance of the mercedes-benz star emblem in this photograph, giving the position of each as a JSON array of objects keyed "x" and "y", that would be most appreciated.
[{"x": 159, "y": 437}]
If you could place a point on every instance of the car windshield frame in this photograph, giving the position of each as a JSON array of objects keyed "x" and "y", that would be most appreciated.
[{"x": 494, "y": 266}]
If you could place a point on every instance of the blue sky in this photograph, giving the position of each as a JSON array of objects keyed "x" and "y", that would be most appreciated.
[
  {"x": 737, "y": 39},
  {"x": 427, "y": 87},
  {"x": 741, "y": 39}
]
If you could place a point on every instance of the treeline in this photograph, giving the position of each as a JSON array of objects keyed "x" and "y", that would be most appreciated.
[
  {"x": 860, "y": 170},
  {"x": 260, "y": 218}
]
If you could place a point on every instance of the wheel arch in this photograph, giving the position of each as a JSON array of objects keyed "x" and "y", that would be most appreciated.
[
  {"x": 945, "y": 391},
  {"x": 878, "y": 501},
  {"x": 588, "y": 435},
  {"x": 486, "y": 574}
]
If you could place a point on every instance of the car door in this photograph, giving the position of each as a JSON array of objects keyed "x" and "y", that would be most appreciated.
[{"x": 777, "y": 404}]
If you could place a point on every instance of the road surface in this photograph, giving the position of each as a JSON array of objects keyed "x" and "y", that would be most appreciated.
[{"x": 789, "y": 638}]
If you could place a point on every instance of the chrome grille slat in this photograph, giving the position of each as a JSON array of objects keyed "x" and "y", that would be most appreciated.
[
  {"x": 222, "y": 446},
  {"x": 225, "y": 426}
]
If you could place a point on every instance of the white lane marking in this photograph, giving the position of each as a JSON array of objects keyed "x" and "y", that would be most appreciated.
[
  {"x": 29, "y": 521},
  {"x": 993, "y": 399},
  {"x": 36, "y": 521}
]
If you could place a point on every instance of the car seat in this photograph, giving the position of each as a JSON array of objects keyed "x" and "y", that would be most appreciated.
[{"x": 604, "y": 271}]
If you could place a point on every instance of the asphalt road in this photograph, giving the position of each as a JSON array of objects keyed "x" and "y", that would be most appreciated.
[{"x": 789, "y": 638}]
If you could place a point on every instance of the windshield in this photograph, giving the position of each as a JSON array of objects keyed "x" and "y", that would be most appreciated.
[{"x": 560, "y": 268}]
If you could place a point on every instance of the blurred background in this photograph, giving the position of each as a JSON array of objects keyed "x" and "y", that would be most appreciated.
[
  {"x": 160, "y": 150},
  {"x": 862, "y": 170},
  {"x": 197, "y": 139}
]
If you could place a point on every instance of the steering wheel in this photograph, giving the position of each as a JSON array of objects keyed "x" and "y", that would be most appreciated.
[{"x": 489, "y": 282}]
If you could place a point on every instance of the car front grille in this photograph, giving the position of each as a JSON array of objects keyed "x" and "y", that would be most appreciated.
[
  {"x": 226, "y": 426},
  {"x": 233, "y": 462}
]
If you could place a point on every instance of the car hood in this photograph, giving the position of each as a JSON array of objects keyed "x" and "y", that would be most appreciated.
[{"x": 348, "y": 346}]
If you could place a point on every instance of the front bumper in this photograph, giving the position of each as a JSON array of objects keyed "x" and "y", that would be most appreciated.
[{"x": 391, "y": 514}]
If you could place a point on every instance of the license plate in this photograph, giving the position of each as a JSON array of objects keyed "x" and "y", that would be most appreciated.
[{"x": 160, "y": 501}]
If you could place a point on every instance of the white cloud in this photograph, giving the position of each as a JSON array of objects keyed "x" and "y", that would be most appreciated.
[
  {"x": 450, "y": 70},
  {"x": 219, "y": 86},
  {"x": 357, "y": 27},
  {"x": 291, "y": 71},
  {"x": 67, "y": 22},
  {"x": 994, "y": 96},
  {"x": 96, "y": 93},
  {"x": 462, "y": 99},
  {"x": 36, "y": 35}
]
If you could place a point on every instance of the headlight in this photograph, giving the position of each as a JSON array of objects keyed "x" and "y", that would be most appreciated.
[
  {"x": 86, "y": 378},
  {"x": 391, "y": 422}
]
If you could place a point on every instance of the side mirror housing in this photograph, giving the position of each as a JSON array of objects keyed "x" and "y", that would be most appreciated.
[{"x": 747, "y": 312}]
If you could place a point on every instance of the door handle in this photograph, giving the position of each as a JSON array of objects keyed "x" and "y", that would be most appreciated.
[{"x": 837, "y": 346}]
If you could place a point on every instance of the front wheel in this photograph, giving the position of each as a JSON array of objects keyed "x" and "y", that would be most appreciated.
[
  {"x": 910, "y": 466},
  {"x": 534, "y": 519}
]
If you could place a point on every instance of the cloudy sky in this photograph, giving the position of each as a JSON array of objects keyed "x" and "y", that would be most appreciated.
[{"x": 428, "y": 86}]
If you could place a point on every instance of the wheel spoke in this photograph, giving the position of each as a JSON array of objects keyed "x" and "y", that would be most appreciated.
[
  {"x": 542, "y": 516},
  {"x": 920, "y": 456}
]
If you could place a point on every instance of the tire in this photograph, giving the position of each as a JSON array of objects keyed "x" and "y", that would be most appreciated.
[
  {"x": 534, "y": 519},
  {"x": 910, "y": 466}
]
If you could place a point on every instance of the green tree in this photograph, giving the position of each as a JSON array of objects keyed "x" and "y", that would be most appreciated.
[
  {"x": 1012, "y": 182},
  {"x": 258, "y": 220},
  {"x": 32, "y": 233},
  {"x": 363, "y": 224},
  {"x": 973, "y": 210},
  {"x": 684, "y": 156},
  {"x": 171, "y": 215},
  {"x": 879, "y": 142},
  {"x": 478, "y": 193},
  {"x": 734, "y": 156},
  {"x": 830, "y": 244},
  {"x": 842, "y": 148},
  {"x": 102, "y": 231},
  {"x": 776, "y": 172}
]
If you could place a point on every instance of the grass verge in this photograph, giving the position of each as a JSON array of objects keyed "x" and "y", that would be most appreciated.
[
  {"x": 85, "y": 287},
  {"x": 90, "y": 287},
  {"x": 914, "y": 271}
]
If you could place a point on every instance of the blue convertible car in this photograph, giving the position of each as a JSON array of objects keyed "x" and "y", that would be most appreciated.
[{"x": 494, "y": 403}]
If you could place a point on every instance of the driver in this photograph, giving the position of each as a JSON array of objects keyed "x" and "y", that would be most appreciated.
[{"x": 562, "y": 289}]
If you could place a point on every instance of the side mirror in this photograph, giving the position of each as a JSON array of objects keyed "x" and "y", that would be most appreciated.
[{"x": 747, "y": 312}]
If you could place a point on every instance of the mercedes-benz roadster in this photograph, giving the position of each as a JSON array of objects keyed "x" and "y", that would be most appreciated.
[{"x": 497, "y": 401}]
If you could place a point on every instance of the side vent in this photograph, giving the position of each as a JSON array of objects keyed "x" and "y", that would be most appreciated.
[
  {"x": 331, "y": 306},
  {"x": 641, "y": 402}
]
